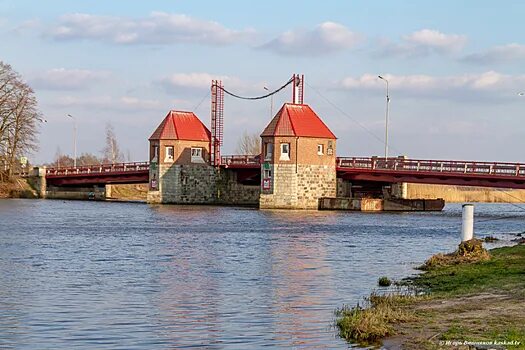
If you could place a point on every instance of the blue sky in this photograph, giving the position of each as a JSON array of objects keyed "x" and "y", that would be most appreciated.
[{"x": 455, "y": 69}]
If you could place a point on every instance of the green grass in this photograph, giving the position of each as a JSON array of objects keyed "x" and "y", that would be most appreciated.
[
  {"x": 375, "y": 319},
  {"x": 504, "y": 272},
  {"x": 460, "y": 317}
]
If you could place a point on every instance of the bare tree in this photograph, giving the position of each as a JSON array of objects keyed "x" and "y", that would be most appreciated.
[
  {"x": 88, "y": 159},
  {"x": 111, "y": 152},
  {"x": 249, "y": 144},
  {"x": 19, "y": 117}
]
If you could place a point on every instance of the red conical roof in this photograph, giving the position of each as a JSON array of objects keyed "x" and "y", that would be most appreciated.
[
  {"x": 179, "y": 125},
  {"x": 297, "y": 120}
]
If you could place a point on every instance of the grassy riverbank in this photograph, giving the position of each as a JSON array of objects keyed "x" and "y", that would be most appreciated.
[{"x": 468, "y": 302}]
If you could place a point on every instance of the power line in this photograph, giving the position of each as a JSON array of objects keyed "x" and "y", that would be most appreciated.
[
  {"x": 257, "y": 97},
  {"x": 202, "y": 100},
  {"x": 371, "y": 133}
]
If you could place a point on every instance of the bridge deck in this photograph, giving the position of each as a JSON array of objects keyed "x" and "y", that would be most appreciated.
[
  {"x": 464, "y": 173},
  {"x": 388, "y": 170}
]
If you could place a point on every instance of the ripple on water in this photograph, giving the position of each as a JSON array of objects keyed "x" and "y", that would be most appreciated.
[{"x": 89, "y": 275}]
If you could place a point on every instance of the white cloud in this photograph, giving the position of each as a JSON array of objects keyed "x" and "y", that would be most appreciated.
[
  {"x": 325, "y": 38},
  {"x": 157, "y": 28},
  {"x": 120, "y": 104},
  {"x": 189, "y": 82},
  {"x": 504, "y": 53},
  {"x": 67, "y": 79},
  {"x": 488, "y": 84},
  {"x": 424, "y": 42}
]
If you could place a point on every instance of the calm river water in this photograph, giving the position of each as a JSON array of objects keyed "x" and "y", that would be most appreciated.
[{"x": 96, "y": 275}]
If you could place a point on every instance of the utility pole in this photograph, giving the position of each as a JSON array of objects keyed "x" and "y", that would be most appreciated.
[
  {"x": 271, "y": 102},
  {"x": 386, "y": 116},
  {"x": 74, "y": 139}
]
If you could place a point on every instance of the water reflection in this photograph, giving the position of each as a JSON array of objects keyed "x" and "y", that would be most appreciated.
[{"x": 90, "y": 275}]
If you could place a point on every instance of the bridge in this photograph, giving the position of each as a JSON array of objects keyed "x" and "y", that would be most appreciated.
[{"x": 368, "y": 169}]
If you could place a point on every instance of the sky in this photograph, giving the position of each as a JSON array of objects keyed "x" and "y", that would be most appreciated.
[{"x": 455, "y": 70}]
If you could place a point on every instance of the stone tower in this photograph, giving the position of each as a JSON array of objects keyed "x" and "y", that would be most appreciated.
[
  {"x": 179, "y": 161},
  {"x": 299, "y": 165}
]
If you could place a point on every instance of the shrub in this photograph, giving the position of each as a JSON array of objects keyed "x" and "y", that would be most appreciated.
[
  {"x": 375, "y": 320},
  {"x": 384, "y": 281}
]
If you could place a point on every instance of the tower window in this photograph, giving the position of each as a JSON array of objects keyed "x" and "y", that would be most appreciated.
[
  {"x": 155, "y": 153},
  {"x": 196, "y": 155},
  {"x": 285, "y": 151},
  {"x": 268, "y": 151},
  {"x": 320, "y": 149},
  {"x": 169, "y": 154}
]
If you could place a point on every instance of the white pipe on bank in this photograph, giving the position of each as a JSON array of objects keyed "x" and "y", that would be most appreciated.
[{"x": 467, "y": 225}]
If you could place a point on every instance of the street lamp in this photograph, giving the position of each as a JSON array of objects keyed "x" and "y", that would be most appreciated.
[
  {"x": 271, "y": 102},
  {"x": 74, "y": 139},
  {"x": 386, "y": 116}
]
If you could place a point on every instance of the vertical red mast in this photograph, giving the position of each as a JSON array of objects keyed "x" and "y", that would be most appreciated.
[
  {"x": 217, "y": 122},
  {"x": 298, "y": 89}
]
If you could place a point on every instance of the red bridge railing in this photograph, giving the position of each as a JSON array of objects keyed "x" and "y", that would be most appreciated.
[
  {"x": 432, "y": 166},
  {"x": 98, "y": 169}
]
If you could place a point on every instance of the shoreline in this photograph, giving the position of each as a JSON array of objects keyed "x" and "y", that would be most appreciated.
[{"x": 473, "y": 305}]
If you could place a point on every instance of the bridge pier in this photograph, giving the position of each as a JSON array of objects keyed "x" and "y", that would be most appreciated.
[{"x": 37, "y": 180}]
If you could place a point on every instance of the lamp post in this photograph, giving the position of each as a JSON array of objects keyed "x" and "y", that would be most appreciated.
[
  {"x": 74, "y": 140},
  {"x": 271, "y": 102},
  {"x": 386, "y": 116}
]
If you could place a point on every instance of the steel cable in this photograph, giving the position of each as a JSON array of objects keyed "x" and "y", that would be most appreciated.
[{"x": 256, "y": 97}]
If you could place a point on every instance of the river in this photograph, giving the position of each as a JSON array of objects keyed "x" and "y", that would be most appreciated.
[{"x": 101, "y": 275}]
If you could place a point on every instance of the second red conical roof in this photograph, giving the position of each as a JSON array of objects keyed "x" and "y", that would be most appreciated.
[
  {"x": 180, "y": 125},
  {"x": 297, "y": 120}
]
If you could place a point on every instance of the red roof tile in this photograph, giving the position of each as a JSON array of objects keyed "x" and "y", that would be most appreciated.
[
  {"x": 180, "y": 125},
  {"x": 297, "y": 120}
]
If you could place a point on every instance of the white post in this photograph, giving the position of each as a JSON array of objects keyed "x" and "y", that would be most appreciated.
[
  {"x": 467, "y": 225},
  {"x": 296, "y": 84}
]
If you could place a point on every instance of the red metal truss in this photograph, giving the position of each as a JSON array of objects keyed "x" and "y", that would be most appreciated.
[{"x": 217, "y": 121}]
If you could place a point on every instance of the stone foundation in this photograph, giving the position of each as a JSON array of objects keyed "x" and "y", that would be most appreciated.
[
  {"x": 298, "y": 186},
  {"x": 190, "y": 184},
  {"x": 231, "y": 192},
  {"x": 201, "y": 184}
]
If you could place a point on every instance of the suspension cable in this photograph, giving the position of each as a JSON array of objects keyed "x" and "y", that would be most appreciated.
[{"x": 256, "y": 97}]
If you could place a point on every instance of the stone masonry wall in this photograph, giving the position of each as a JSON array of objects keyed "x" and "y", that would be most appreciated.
[
  {"x": 200, "y": 184},
  {"x": 190, "y": 184},
  {"x": 344, "y": 188},
  {"x": 299, "y": 186},
  {"x": 233, "y": 193}
]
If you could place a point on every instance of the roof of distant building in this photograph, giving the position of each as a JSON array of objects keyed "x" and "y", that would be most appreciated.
[
  {"x": 180, "y": 125},
  {"x": 297, "y": 120}
]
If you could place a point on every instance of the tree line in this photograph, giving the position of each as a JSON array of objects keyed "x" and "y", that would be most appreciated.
[{"x": 19, "y": 120}]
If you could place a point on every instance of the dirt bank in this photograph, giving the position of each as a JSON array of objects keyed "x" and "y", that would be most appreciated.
[{"x": 16, "y": 188}]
